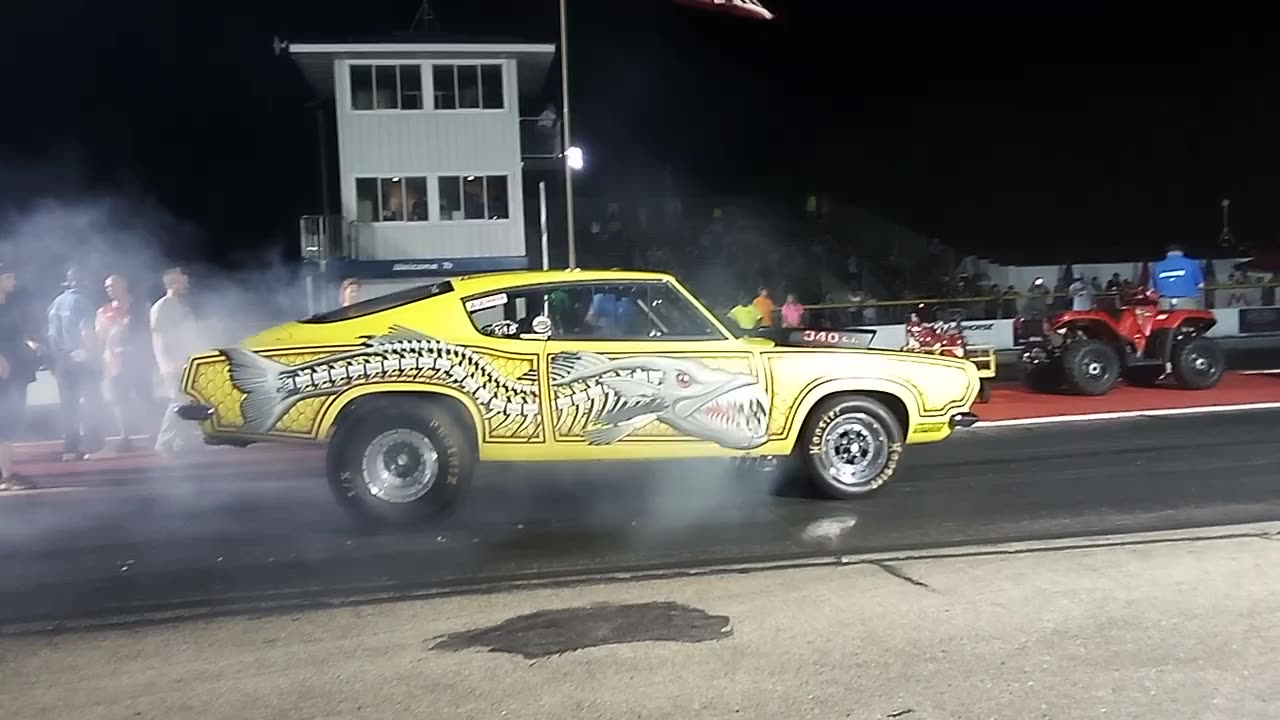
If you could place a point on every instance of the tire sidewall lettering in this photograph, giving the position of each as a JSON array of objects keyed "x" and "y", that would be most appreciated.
[
  {"x": 815, "y": 437},
  {"x": 452, "y": 454},
  {"x": 894, "y": 446}
]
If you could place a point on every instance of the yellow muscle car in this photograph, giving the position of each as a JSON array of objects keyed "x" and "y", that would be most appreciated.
[{"x": 410, "y": 390}]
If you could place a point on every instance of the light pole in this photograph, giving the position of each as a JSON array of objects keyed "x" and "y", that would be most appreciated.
[
  {"x": 568, "y": 172},
  {"x": 1224, "y": 238}
]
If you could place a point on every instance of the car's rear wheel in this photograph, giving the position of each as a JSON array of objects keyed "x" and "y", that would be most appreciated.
[
  {"x": 851, "y": 446},
  {"x": 399, "y": 462},
  {"x": 1092, "y": 367},
  {"x": 1198, "y": 363}
]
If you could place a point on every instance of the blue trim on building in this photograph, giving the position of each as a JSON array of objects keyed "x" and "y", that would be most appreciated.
[{"x": 418, "y": 267}]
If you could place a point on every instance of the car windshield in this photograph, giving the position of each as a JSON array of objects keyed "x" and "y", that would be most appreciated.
[
  {"x": 635, "y": 310},
  {"x": 674, "y": 315}
]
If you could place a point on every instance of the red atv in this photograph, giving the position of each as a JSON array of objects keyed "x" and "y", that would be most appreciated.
[{"x": 1088, "y": 351}]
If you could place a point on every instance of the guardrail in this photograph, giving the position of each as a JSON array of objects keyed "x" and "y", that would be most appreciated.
[
  {"x": 1000, "y": 333},
  {"x": 540, "y": 138},
  {"x": 1007, "y": 307},
  {"x": 322, "y": 237}
]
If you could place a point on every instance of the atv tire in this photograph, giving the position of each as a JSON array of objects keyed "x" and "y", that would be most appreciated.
[
  {"x": 398, "y": 463},
  {"x": 1198, "y": 363},
  {"x": 1092, "y": 367}
]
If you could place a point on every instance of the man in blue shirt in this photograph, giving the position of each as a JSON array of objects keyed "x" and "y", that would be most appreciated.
[
  {"x": 75, "y": 367},
  {"x": 1178, "y": 280},
  {"x": 602, "y": 315}
]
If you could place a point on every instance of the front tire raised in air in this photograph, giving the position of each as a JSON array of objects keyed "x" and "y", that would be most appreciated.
[
  {"x": 851, "y": 445},
  {"x": 400, "y": 464}
]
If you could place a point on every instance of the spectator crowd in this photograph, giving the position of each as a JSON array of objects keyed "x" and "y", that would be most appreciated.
[{"x": 106, "y": 358}]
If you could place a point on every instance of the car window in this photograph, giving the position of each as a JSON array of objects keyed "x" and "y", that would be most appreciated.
[
  {"x": 382, "y": 302},
  {"x": 616, "y": 311},
  {"x": 506, "y": 313}
]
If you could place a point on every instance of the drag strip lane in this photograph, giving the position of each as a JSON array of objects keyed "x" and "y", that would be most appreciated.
[{"x": 219, "y": 539}]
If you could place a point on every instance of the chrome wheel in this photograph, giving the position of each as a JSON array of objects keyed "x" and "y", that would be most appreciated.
[
  {"x": 855, "y": 449},
  {"x": 400, "y": 466}
]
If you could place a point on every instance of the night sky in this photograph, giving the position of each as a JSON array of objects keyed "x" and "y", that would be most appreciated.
[{"x": 997, "y": 130}]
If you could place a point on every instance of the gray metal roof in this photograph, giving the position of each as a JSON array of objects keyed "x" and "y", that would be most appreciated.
[{"x": 316, "y": 58}]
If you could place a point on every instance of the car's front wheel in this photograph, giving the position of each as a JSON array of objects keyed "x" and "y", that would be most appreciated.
[
  {"x": 851, "y": 446},
  {"x": 399, "y": 462}
]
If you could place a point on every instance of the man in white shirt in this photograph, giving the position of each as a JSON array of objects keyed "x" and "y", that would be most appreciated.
[
  {"x": 1081, "y": 294},
  {"x": 173, "y": 333}
]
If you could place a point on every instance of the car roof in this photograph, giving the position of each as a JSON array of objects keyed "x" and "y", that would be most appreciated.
[{"x": 488, "y": 282}]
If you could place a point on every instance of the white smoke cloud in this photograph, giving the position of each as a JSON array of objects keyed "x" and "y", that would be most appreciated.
[{"x": 137, "y": 239}]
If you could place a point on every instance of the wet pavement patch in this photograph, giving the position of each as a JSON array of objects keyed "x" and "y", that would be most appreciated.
[{"x": 551, "y": 632}]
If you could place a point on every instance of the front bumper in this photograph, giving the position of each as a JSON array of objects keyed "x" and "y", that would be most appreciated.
[
  {"x": 195, "y": 412},
  {"x": 963, "y": 420}
]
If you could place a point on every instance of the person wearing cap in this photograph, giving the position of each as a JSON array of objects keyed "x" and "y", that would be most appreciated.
[
  {"x": 72, "y": 343},
  {"x": 18, "y": 365},
  {"x": 1178, "y": 280},
  {"x": 1036, "y": 306}
]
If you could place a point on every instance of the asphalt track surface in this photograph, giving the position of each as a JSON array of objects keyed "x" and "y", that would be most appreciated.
[{"x": 247, "y": 536}]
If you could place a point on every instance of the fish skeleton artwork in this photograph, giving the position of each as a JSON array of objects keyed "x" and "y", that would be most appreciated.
[
  {"x": 621, "y": 396},
  {"x": 272, "y": 388}
]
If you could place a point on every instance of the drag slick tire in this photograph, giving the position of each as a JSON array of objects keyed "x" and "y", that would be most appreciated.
[
  {"x": 850, "y": 446},
  {"x": 397, "y": 462},
  {"x": 1092, "y": 367},
  {"x": 1198, "y": 363}
]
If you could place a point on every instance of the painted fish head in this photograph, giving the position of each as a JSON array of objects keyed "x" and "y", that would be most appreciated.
[{"x": 725, "y": 407}]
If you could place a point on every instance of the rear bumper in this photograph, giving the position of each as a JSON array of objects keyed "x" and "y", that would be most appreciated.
[
  {"x": 195, "y": 412},
  {"x": 963, "y": 420}
]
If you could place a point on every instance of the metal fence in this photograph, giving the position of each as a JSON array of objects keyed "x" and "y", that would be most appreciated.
[
  {"x": 1004, "y": 307},
  {"x": 325, "y": 236}
]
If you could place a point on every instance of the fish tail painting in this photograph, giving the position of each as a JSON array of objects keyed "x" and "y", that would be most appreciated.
[
  {"x": 510, "y": 407},
  {"x": 258, "y": 378}
]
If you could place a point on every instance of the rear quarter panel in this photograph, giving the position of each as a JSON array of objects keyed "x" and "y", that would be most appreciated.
[
  {"x": 931, "y": 389},
  {"x": 208, "y": 380}
]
